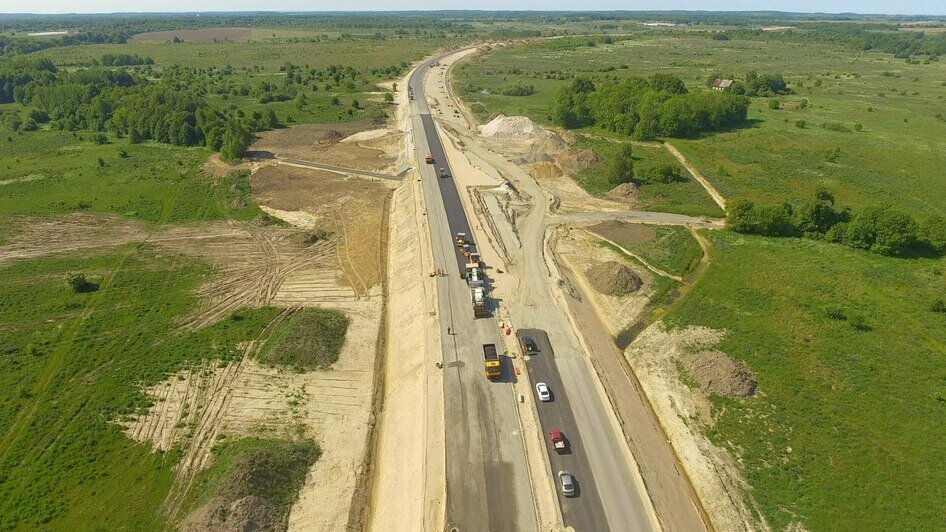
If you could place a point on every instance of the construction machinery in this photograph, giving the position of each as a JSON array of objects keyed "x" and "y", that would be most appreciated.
[
  {"x": 493, "y": 365},
  {"x": 478, "y": 295}
]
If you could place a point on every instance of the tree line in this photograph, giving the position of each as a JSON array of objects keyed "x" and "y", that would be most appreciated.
[
  {"x": 883, "y": 230},
  {"x": 646, "y": 108}
]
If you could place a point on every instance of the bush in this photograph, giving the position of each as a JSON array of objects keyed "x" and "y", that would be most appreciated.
[
  {"x": 774, "y": 104},
  {"x": 938, "y": 305},
  {"x": 933, "y": 232},
  {"x": 519, "y": 89},
  {"x": 660, "y": 173},
  {"x": 801, "y": 124},
  {"x": 80, "y": 284},
  {"x": 882, "y": 230}
]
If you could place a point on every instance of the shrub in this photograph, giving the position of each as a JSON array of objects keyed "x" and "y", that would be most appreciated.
[
  {"x": 933, "y": 232},
  {"x": 938, "y": 305},
  {"x": 622, "y": 168},
  {"x": 801, "y": 124},
  {"x": 519, "y": 89},
  {"x": 660, "y": 173},
  {"x": 774, "y": 104},
  {"x": 80, "y": 284},
  {"x": 836, "y": 126}
]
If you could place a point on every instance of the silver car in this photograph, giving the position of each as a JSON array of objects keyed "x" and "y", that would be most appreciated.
[{"x": 568, "y": 483}]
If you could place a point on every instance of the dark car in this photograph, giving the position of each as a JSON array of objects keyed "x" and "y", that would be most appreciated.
[{"x": 529, "y": 346}]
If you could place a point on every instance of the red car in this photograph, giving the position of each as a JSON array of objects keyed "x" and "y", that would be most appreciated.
[
  {"x": 428, "y": 159},
  {"x": 558, "y": 440}
]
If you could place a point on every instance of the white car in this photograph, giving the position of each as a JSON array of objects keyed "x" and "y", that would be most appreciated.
[{"x": 542, "y": 389}]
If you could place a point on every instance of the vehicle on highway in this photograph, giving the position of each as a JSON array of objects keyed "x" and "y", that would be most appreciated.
[
  {"x": 428, "y": 159},
  {"x": 443, "y": 173},
  {"x": 529, "y": 346},
  {"x": 493, "y": 363},
  {"x": 567, "y": 482},
  {"x": 559, "y": 443},
  {"x": 543, "y": 391}
]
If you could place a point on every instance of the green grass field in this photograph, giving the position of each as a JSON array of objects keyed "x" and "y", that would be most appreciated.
[
  {"x": 849, "y": 361},
  {"x": 74, "y": 363},
  {"x": 673, "y": 250},
  {"x": 46, "y": 173},
  {"x": 686, "y": 197},
  {"x": 359, "y": 53}
]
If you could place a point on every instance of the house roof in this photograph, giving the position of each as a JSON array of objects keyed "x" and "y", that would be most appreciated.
[{"x": 722, "y": 83}]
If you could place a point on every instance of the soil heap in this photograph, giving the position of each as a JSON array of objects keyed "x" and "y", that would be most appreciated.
[
  {"x": 625, "y": 191},
  {"x": 718, "y": 374},
  {"x": 574, "y": 162},
  {"x": 613, "y": 278}
]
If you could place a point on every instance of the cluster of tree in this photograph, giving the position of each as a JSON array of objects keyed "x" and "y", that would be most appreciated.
[
  {"x": 126, "y": 104},
  {"x": 125, "y": 60},
  {"x": 646, "y": 108},
  {"x": 883, "y": 230},
  {"x": 755, "y": 84}
]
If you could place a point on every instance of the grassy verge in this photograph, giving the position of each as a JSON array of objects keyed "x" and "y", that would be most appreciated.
[
  {"x": 849, "y": 363},
  {"x": 311, "y": 339},
  {"x": 73, "y": 363},
  {"x": 270, "y": 471}
]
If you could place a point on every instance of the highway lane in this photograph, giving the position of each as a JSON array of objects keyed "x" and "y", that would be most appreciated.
[
  {"x": 488, "y": 482},
  {"x": 584, "y": 511}
]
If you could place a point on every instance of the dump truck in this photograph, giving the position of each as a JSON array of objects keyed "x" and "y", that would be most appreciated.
[
  {"x": 558, "y": 440},
  {"x": 493, "y": 364},
  {"x": 479, "y": 302}
]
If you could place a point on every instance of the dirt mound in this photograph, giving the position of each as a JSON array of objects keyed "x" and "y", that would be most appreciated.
[
  {"x": 624, "y": 233},
  {"x": 574, "y": 162},
  {"x": 625, "y": 191},
  {"x": 613, "y": 278},
  {"x": 518, "y": 128},
  {"x": 257, "y": 489},
  {"x": 544, "y": 170},
  {"x": 718, "y": 374},
  {"x": 331, "y": 136}
]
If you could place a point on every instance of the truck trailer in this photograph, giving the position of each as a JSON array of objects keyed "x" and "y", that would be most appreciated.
[{"x": 478, "y": 296}]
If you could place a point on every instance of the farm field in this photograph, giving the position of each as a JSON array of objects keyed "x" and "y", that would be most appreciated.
[{"x": 886, "y": 118}]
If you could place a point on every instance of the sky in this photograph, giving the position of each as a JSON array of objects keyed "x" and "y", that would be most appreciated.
[{"x": 898, "y": 7}]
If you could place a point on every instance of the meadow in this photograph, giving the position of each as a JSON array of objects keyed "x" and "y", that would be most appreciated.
[
  {"x": 846, "y": 428},
  {"x": 45, "y": 173}
]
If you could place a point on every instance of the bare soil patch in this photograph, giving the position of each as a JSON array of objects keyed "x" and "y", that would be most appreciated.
[
  {"x": 573, "y": 162},
  {"x": 613, "y": 278},
  {"x": 350, "y": 207},
  {"x": 349, "y": 145},
  {"x": 624, "y": 192},
  {"x": 624, "y": 234},
  {"x": 205, "y": 34},
  {"x": 656, "y": 356}
]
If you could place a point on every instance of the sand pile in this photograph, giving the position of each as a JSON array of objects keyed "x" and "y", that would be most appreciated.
[
  {"x": 518, "y": 128},
  {"x": 718, "y": 374},
  {"x": 574, "y": 162},
  {"x": 613, "y": 278},
  {"x": 544, "y": 170},
  {"x": 625, "y": 191}
]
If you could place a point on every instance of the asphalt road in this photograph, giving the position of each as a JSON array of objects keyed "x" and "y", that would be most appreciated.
[
  {"x": 488, "y": 482},
  {"x": 616, "y": 475},
  {"x": 583, "y": 511}
]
